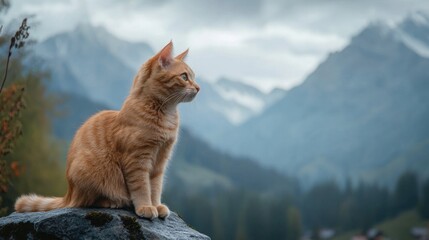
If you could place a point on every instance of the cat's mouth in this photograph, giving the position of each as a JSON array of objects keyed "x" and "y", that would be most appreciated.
[{"x": 189, "y": 96}]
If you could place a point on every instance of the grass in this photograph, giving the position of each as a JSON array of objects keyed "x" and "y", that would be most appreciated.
[{"x": 397, "y": 228}]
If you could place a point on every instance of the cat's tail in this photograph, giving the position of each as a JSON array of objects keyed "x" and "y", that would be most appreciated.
[{"x": 35, "y": 203}]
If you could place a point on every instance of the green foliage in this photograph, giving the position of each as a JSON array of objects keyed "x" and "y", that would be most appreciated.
[
  {"x": 11, "y": 103},
  {"x": 238, "y": 214},
  {"x": 399, "y": 226},
  {"x": 36, "y": 151},
  {"x": 361, "y": 207},
  {"x": 326, "y": 205},
  {"x": 394, "y": 228}
]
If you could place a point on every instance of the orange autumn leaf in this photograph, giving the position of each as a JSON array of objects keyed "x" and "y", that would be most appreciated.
[
  {"x": 4, "y": 126},
  {"x": 15, "y": 168},
  {"x": 3, "y": 188}
]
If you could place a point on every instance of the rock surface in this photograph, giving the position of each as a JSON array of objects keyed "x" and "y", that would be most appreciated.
[{"x": 93, "y": 223}]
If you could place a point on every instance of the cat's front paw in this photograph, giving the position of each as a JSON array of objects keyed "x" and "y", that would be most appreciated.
[
  {"x": 149, "y": 212},
  {"x": 163, "y": 211}
]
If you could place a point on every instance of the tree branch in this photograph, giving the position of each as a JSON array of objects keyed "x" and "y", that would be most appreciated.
[{"x": 16, "y": 41}]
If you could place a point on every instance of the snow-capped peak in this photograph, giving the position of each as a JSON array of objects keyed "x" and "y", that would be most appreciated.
[
  {"x": 418, "y": 46},
  {"x": 244, "y": 101},
  {"x": 413, "y": 31}
]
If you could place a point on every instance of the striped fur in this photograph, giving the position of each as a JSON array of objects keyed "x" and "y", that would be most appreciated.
[
  {"x": 32, "y": 202},
  {"x": 118, "y": 158}
]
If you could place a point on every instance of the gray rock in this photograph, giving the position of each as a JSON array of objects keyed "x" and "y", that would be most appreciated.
[{"x": 93, "y": 223}]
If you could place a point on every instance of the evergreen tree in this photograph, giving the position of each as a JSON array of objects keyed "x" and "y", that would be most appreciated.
[
  {"x": 321, "y": 205},
  {"x": 293, "y": 228},
  {"x": 406, "y": 192},
  {"x": 424, "y": 201}
]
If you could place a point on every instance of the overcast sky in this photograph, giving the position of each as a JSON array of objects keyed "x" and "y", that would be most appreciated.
[{"x": 263, "y": 42}]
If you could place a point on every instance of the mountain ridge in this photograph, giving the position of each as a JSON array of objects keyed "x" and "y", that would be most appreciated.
[
  {"x": 89, "y": 58},
  {"x": 345, "y": 117}
]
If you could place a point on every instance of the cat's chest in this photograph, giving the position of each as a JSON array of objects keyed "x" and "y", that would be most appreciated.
[
  {"x": 149, "y": 136},
  {"x": 170, "y": 121},
  {"x": 169, "y": 127}
]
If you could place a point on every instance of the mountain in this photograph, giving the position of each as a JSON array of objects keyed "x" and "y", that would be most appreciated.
[
  {"x": 413, "y": 32},
  {"x": 363, "y": 112},
  {"x": 92, "y": 62}
]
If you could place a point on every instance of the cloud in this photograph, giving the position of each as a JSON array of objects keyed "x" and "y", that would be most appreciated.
[
  {"x": 49, "y": 17},
  {"x": 267, "y": 57},
  {"x": 278, "y": 37},
  {"x": 265, "y": 42}
]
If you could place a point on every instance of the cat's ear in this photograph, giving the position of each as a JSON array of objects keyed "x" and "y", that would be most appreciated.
[
  {"x": 165, "y": 55},
  {"x": 183, "y": 55}
]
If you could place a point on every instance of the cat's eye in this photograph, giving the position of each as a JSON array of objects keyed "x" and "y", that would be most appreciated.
[{"x": 184, "y": 76}]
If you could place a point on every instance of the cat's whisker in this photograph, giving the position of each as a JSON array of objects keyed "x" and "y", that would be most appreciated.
[
  {"x": 174, "y": 97},
  {"x": 171, "y": 97},
  {"x": 180, "y": 98},
  {"x": 167, "y": 99}
]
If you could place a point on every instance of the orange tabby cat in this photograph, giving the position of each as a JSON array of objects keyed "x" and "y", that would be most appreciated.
[{"x": 118, "y": 158}]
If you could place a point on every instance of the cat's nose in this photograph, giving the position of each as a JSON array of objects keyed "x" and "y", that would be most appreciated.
[{"x": 197, "y": 87}]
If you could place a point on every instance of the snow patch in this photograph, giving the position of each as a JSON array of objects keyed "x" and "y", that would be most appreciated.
[
  {"x": 414, "y": 44},
  {"x": 419, "y": 18},
  {"x": 255, "y": 104},
  {"x": 240, "y": 101},
  {"x": 234, "y": 115}
]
